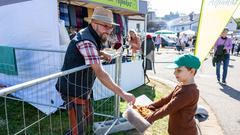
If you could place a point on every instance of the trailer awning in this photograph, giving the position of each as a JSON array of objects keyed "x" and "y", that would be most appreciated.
[{"x": 142, "y": 6}]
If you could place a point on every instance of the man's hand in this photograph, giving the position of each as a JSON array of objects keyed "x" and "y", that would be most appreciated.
[
  {"x": 106, "y": 56},
  {"x": 225, "y": 50},
  {"x": 108, "y": 82},
  {"x": 130, "y": 98}
]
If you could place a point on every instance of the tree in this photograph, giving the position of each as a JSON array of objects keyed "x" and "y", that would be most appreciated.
[{"x": 238, "y": 22}]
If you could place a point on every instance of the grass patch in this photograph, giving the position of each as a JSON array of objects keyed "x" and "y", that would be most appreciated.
[{"x": 58, "y": 123}]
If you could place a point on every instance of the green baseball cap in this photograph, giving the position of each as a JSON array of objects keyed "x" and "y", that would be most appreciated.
[{"x": 186, "y": 60}]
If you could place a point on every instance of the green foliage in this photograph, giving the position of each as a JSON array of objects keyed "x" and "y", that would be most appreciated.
[{"x": 238, "y": 22}]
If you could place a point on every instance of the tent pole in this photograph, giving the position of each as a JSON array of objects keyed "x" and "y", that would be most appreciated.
[{"x": 145, "y": 48}]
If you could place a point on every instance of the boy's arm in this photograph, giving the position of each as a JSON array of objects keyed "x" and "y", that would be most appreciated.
[
  {"x": 178, "y": 102},
  {"x": 161, "y": 102}
]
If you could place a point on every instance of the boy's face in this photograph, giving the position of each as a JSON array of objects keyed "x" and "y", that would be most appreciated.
[{"x": 183, "y": 74}]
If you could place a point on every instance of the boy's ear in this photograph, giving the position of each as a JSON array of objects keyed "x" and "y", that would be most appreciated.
[{"x": 193, "y": 71}]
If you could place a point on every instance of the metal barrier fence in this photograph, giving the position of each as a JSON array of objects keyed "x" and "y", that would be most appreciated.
[{"x": 18, "y": 117}]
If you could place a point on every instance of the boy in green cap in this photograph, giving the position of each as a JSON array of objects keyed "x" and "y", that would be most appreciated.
[{"x": 181, "y": 103}]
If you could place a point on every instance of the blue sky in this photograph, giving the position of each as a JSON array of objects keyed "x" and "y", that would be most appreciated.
[{"x": 163, "y": 7}]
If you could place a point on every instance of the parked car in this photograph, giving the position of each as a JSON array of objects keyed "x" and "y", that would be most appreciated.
[{"x": 168, "y": 42}]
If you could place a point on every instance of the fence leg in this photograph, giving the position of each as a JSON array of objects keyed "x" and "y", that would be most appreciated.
[{"x": 117, "y": 80}]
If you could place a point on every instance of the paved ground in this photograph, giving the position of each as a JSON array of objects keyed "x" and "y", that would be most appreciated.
[{"x": 224, "y": 101}]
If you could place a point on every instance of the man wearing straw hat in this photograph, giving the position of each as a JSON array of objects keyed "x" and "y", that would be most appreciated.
[{"x": 76, "y": 88}]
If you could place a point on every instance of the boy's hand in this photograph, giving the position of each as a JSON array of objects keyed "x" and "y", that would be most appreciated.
[
  {"x": 150, "y": 119},
  {"x": 151, "y": 107}
]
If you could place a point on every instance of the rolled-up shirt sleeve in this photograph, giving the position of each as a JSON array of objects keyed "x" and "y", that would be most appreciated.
[{"x": 89, "y": 52}]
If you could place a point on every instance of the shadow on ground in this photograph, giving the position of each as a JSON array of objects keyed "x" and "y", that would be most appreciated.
[
  {"x": 230, "y": 91},
  {"x": 231, "y": 66}
]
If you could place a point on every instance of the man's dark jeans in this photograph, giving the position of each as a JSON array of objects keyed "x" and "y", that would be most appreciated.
[{"x": 225, "y": 67}]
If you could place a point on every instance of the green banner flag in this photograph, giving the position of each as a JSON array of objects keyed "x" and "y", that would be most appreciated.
[
  {"x": 126, "y": 4},
  {"x": 214, "y": 16}
]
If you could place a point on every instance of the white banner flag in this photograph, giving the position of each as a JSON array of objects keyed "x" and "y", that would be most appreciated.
[{"x": 214, "y": 16}]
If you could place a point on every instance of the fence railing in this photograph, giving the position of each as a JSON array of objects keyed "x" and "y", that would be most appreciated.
[{"x": 37, "y": 76}]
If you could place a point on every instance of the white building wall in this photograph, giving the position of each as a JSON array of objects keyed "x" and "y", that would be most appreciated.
[
  {"x": 138, "y": 26},
  {"x": 151, "y": 16},
  {"x": 180, "y": 28},
  {"x": 194, "y": 26},
  {"x": 232, "y": 25}
]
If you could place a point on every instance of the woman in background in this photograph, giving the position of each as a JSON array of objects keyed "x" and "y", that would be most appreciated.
[
  {"x": 225, "y": 44},
  {"x": 134, "y": 41}
]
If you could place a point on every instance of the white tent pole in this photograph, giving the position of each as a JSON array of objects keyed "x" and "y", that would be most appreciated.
[{"x": 145, "y": 45}]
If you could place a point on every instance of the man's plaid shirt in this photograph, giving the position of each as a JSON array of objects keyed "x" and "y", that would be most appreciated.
[{"x": 89, "y": 52}]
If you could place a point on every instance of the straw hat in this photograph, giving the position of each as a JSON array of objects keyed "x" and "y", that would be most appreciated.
[{"x": 103, "y": 15}]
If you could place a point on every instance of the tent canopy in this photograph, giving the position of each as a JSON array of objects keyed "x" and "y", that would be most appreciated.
[
  {"x": 142, "y": 6},
  {"x": 188, "y": 32},
  {"x": 164, "y": 32}
]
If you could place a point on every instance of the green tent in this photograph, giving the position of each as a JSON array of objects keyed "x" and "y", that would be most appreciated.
[{"x": 164, "y": 32}]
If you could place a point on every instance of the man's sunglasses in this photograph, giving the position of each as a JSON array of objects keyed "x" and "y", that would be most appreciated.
[{"x": 105, "y": 26}]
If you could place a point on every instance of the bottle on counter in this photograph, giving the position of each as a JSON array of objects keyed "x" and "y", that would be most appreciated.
[
  {"x": 133, "y": 56},
  {"x": 138, "y": 55}
]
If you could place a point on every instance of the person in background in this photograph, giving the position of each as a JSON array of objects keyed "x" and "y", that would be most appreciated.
[
  {"x": 149, "y": 54},
  {"x": 76, "y": 88},
  {"x": 238, "y": 48},
  {"x": 233, "y": 45},
  {"x": 134, "y": 41},
  {"x": 183, "y": 41},
  {"x": 189, "y": 42},
  {"x": 178, "y": 44},
  {"x": 225, "y": 43},
  {"x": 158, "y": 42},
  {"x": 150, "y": 45},
  {"x": 181, "y": 103},
  {"x": 112, "y": 39},
  {"x": 194, "y": 39},
  {"x": 72, "y": 32}
]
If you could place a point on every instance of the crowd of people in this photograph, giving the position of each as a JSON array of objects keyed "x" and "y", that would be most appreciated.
[
  {"x": 132, "y": 42},
  {"x": 236, "y": 46}
]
